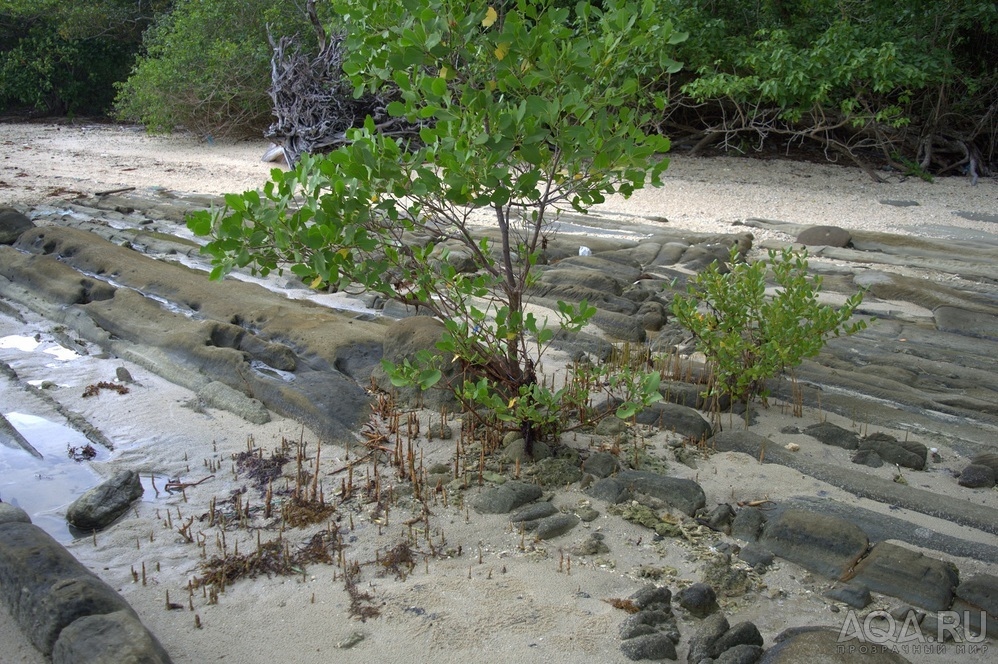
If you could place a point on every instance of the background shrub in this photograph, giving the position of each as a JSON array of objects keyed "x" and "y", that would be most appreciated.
[
  {"x": 61, "y": 58},
  {"x": 206, "y": 67},
  {"x": 911, "y": 85},
  {"x": 869, "y": 81}
]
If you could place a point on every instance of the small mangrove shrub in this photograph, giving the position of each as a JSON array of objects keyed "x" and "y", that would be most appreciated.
[
  {"x": 749, "y": 337},
  {"x": 525, "y": 109}
]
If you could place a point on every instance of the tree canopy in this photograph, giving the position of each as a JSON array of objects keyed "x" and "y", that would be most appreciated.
[{"x": 912, "y": 85}]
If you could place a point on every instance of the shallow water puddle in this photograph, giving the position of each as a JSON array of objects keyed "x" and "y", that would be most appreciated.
[
  {"x": 44, "y": 487},
  {"x": 169, "y": 305},
  {"x": 19, "y": 342},
  {"x": 265, "y": 369},
  {"x": 30, "y": 345}
]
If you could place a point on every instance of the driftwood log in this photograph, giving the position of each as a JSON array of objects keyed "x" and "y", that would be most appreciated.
[{"x": 314, "y": 104}]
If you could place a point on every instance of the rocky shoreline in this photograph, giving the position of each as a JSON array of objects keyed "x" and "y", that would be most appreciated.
[{"x": 118, "y": 271}]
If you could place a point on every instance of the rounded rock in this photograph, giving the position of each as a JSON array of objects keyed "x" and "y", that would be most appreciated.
[
  {"x": 12, "y": 224},
  {"x": 12, "y": 514},
  {"x": 743, "y": 633},
  {"x": 827, "y": 236},
  {"x": 101, "y": 506},
  {"x": 653, "y": 597},
  {"x": 756, "y": 555},
  {"x": 556, "y": 525},
  {"x": 602, "y": 464},
  {"x": 533, "y": 512},
  {"x": 649, "y": 646},
  {"x": 699, "y": 599},
  {"x": 977, "y": 476},
  {"x": 506, "y": 498},
  {"x": 553, "y": 472}
]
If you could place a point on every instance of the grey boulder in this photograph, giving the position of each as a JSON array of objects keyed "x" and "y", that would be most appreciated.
[
  {"x": 822, "y": 646},
  {"x": 12, "y": 514},
  {"x": 99, "y": 507},
  {"x": 827, "y": 236},
  {"x": 685, "y": 495},
  {"x": 46, "y": 588},
  {"x": 12, "y": 224},
  {"x": 909, "y": 575},
  {"x": 817, "y": 542},
  {"x": 506, "y": 498},
  {"x": 977, "y": 476},
  {"x": 110, "y": 638}
]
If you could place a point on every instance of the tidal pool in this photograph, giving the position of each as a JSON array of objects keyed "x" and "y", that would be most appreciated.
[{"x": 44, "y": 487}]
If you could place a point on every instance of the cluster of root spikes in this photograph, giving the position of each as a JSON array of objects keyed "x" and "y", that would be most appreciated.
[
  {"x": 277, "y": 501},
  {"x": 298, "y": 500},
  {"x": 390, "y": 435}
]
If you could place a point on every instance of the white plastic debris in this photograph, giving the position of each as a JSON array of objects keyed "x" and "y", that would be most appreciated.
[{"x": 585, "y": 251}]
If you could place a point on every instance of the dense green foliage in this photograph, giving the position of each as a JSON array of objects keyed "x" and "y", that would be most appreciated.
[
  {"x": 864, "y": 79},
  {"x": 526, "y": 112},
  {"x": 58, "y": 76},
  {"x": 62, "y": 58},
  {"x": 908, "y": 84},
  {"x": 749, "y": 337},
  {"x": 206, "y": 67}
]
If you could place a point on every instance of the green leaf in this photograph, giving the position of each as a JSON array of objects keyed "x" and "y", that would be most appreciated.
[
  {"x": 438, "y": 86},
  {"x": 531, "y": 154},
  {"x": 429, "y": 378},
  {"x": 236, "y": 202},
  {"x": 427, "y": 135},
  {"x": 200, "y": 222},
  {"x": 627, "y": 410},
  {"x": 500, "y": 197}
]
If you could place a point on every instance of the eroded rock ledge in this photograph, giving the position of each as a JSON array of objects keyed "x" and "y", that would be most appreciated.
[{"x": 221, "y": 340}]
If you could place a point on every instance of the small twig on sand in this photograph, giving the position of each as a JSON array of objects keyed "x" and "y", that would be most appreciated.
[
  {"x": 113, "y": 191},
  {"x": 356, "y": 461},
  {"x": 176, "y": 485}
]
